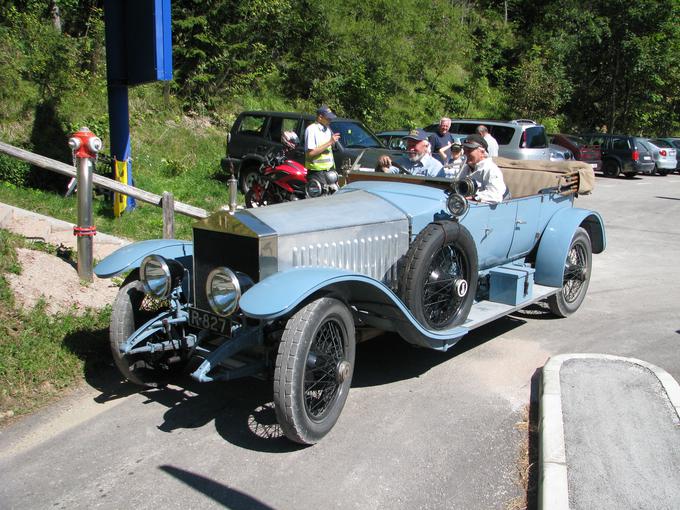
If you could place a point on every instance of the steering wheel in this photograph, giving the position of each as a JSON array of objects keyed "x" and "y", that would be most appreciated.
[{"x": 400, "y": 167}]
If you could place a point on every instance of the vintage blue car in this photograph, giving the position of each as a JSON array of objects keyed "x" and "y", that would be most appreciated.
[{"x": 288, "y": 290}]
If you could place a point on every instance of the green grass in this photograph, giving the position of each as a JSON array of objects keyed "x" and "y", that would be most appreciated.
[
  {"x": 170, "y": 152},
  {"x": 41, "y": 355}
]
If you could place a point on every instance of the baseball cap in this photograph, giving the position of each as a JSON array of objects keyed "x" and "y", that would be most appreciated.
[
  {"x": 474, "y": 141},
  {"x": 455, "y": 146},
  {"x": 326, "y": 112},
  {"x": 416, "y": 134}
]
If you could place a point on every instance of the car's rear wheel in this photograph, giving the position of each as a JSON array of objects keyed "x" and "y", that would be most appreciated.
[
  {"x": 610, "y": 168},
  {"x": 577, "y": 267},
  {"x": 661, "y": 171},
  {"x": 439, "y": 279},
  {"x": 314, "y": 368},
  {"x": 131, "y": 309}
]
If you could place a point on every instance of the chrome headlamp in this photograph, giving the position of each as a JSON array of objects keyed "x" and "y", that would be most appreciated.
[
  {"x": 159, "y": 276},
  {"x": 457, "y": 204},
  {"x": 465, "y": 186},
  {"x": 223, "y": 290},
  {"x": 314, "y": 188}
]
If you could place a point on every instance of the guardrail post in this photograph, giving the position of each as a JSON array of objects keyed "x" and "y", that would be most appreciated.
[
  {"x": 85, "y": 146},
  {"x": 168, "y": 203}
]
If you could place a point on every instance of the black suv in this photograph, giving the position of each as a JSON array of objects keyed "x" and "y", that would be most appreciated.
[
  {"x": 255, "y": 133},
  {"x": 622, "y": 154}
]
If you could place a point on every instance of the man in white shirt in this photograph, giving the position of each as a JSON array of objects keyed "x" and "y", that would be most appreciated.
[
  {"x": 319, "y": 140},
  {"x": 492, "y": 144},
  {"x": 483, "y": 171}
]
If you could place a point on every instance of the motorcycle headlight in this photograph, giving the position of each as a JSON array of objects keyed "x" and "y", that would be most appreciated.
[
  {"x": 223, "y": 290},
  {"x": 457, "y": 204},
  {"x": 159, "y": 276},
  {"x": 314, "y": 188}
]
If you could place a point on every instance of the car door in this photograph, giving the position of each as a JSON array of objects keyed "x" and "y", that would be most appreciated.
[
  {"x": 494, "y": 239},
  {"x": 248, "y": 137}
]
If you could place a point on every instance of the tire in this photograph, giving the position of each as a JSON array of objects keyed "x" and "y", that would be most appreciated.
[
  {"x": 246, "y": 178},
  {"x": 445, "y": 248},
  {"x": 577, "y": 268},
  {"x": 630, "y": 175},
  {"x": 661, "y": 171},
  {"x": 255, "y": 196},
  {"x": 131, "y": 309},
  {"x": 610, "y": 168},
  {"x": 317, "y": 350}
]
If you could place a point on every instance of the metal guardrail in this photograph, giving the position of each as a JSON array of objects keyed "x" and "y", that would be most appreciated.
[{"x": 166, "y": 201}]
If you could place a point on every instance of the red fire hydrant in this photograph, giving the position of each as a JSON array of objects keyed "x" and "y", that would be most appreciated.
[{"x": 85, "y": 146}]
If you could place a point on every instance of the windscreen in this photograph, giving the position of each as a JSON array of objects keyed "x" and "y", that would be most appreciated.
[{"x": 354, "y": 136}]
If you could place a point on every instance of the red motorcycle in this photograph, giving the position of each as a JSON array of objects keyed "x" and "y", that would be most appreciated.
[{"x": 283, "y": 180}]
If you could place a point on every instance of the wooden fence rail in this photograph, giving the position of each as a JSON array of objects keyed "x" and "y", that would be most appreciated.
[{"x": 110, "y": 184}]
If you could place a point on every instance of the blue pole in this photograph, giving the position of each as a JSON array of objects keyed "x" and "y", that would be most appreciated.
[{"x": 119, "y": 128}]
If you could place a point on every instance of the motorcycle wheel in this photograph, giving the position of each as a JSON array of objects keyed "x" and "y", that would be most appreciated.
[{"x": 255, "y": 196}]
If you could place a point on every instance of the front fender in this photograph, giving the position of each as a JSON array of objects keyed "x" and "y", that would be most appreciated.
[
  {"x": 281, "y": 294},
  {"x": 130, "y": 257},
  {"x": 556, "y": 239}
]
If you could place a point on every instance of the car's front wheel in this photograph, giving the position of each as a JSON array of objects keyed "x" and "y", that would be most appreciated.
[
  {"x": 439, "y": 278},
  {"x": 131, "y": 309},
  {"x": 314, "y": 368},
  {"x": 577, "y": 267}
]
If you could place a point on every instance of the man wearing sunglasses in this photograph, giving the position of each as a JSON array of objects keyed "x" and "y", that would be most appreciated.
[{"x": 483, "y": 171}]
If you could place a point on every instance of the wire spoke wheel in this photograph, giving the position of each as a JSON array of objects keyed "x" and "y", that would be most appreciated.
[
  {"x": 131, "y": 309},
  {"x": 439, "y": 278},
  {"x": 442, "y": 287},
  {"x": 577, "y": 268},
  {"x": 314, "y": 369}
]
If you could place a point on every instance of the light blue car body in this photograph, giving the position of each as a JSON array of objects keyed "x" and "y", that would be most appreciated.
[{"x": 539, "y": 226}]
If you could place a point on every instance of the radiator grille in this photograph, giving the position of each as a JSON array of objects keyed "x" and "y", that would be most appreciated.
[{"x": 213, "y": 249}]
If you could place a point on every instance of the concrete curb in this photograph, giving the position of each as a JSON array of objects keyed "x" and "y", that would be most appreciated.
[
  {"x": 553, "y": 490},
  {"x": 53, "y": 231}
]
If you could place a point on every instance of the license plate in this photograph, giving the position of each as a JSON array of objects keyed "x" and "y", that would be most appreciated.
[
  {"x": 210, "y": 321},
  {"x": 646, "y": 158},
  {"x": 594, "y": 165}
]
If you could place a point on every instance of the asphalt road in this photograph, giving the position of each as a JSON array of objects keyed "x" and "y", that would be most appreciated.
[{"x": 420, "y": 429}]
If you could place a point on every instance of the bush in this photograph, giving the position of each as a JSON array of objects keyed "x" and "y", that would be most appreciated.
[{"x": 13, "y": 170}]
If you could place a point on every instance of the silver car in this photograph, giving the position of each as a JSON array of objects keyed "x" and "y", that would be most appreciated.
[
  {"x": 664, "y": 154},
  {"x": 517, "y": 139}
]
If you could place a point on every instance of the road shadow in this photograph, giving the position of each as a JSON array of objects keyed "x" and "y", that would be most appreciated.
[
  {"x": 388, "y": 358},
  {"x": 242, "y": 410},
  {"x": 220, "y": 493}
]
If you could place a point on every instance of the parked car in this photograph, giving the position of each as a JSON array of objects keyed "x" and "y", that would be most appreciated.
[
  {"x": 664, "y": 154},
  {"x": 286, "y": 291},
  {"x": 559, "y": 153},
  {"x": 675, "y": 142},
  {"x": 622, "y": 154},
  {"x": 517, "y": 139},
  {"x": 395, "y": 139},
  {"x": 254, "y": 134},
  {"x": 580, "y": 149}
]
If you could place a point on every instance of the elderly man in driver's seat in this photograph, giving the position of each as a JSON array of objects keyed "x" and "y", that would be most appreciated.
[
  {"x": 483, "y": 171},
  {"x": 417, "y": 161}
]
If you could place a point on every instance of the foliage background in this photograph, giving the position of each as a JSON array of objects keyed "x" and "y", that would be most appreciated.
[{"x": 573, "y": 65}]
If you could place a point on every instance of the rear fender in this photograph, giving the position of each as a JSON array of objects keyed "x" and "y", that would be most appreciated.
[
  {"x": 130, "y": 257},
  {"x": 556, "y": 239},
  {"x": 280, "y": 295}
]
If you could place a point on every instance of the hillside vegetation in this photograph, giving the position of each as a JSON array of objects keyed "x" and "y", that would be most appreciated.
[{"x": 573, "y": 66}]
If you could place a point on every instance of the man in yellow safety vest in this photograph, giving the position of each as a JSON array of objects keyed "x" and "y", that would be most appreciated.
[{"x": 319, "y": 140}]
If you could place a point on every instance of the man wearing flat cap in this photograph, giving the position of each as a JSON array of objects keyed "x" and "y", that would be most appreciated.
[
  {"x": 481, "y": 169},
  {"x": 418, "y": 161},
  {"x": 319, "y": 140}
]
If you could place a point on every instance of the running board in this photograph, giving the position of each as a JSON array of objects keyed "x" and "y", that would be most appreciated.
[{"x": 484, "y": 312}]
